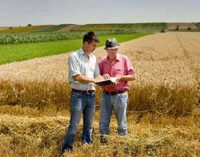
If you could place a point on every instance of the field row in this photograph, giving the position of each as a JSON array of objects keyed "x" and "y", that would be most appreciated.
[
  {"x": 18, "y": 52},
  {"x": 18, "y": 38}
]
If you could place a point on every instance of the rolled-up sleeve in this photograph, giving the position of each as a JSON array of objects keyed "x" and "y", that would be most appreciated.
[
  {"x": 74, "y": 67},
  {"x": 129, "y": 67}
]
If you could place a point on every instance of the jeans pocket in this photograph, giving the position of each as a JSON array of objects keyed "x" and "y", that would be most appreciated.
[
  {"x": 124, "y": 95},
  {"x": 124, "y": 98},
  {"x": 75, "y": 101},
  {"x": 75, "y": 95}
]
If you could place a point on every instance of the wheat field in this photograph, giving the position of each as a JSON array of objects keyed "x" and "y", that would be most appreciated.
[{"x": 163, "y": 110}]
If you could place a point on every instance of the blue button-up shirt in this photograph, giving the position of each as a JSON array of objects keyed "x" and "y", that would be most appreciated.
[{"x": 79, "y": 63}]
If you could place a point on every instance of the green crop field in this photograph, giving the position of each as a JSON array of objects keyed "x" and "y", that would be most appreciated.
[
  {"x": 17, "y": 38},
  {"x": 18, "y": 52}
]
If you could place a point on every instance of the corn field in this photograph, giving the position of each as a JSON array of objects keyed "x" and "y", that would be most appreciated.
[{"x": 17, "y": 38}]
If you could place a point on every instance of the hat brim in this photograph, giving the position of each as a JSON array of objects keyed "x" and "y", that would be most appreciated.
[{"x": 110, "y": 48}]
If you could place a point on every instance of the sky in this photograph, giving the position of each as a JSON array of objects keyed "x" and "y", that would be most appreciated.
[{"x": 36, "y": 12}]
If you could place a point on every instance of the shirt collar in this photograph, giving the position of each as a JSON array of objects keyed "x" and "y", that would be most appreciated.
[
  {"x": 83, "y": 53},
  {"x": 118, "y": 58}
]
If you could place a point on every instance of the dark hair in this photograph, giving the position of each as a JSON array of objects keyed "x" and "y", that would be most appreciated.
[{"x": 89, "y": 37}]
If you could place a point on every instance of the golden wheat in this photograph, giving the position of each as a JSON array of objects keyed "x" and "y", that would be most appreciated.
[
  {"x": 155, "y": 136},
  {"x": 34, "y": 97},
  {"x": 162, "y": 61}
]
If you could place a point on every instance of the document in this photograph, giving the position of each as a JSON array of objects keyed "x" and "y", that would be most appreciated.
[{"x": 106, "y": 82}]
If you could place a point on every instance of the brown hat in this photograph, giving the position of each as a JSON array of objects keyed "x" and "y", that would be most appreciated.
[{"x": 111, "y": 44}]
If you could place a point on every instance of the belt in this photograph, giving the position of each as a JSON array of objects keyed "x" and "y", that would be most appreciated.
[
  {"x": 116, "y": 92},
  {"x": 83, "y": 91}
]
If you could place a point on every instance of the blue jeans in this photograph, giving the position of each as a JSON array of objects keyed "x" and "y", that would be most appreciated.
[
  {"x": 80, "y": 103},
  {"x": 117, "y": 102}
]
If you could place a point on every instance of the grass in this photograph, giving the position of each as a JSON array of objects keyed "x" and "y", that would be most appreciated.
[{"x": 19, "y": 52}]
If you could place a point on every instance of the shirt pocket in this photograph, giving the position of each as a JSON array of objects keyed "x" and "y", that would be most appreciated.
[
  {"x": 105, "y": 69},
  {"x": 91, "y": 67},
  {"x": 118, "y": 71}
]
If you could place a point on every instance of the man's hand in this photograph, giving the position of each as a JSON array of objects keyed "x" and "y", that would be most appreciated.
[
  {"x": 118, "y": 77},
  {"x": 99, "y": 78},
  {"x": 106, "y": 76}
]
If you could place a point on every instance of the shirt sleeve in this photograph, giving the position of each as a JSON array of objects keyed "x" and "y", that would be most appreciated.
[
  {"x": 73, "y": 64},
  {"x": 129, "y": 67},
  {"x": 97, "y": 71}
]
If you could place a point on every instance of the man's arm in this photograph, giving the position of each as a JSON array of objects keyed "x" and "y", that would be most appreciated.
[
  {"x": 74, "y": 69},
  {"x": 83, "y": 79},
  {"x": 130, "y": 72},
  {"x": 97, "y": 74},
  {"x": 126, "y": 78}
]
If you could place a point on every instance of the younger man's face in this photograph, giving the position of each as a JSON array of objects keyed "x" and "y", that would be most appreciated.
[{"x": 91, "y": 46}]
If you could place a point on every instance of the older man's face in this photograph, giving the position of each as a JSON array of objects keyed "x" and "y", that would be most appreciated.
[{"x": 112, "y": 53}]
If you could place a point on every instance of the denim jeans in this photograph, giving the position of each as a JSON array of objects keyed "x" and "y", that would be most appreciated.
[
  {"x": 117, "y": 102},
  {"x": 80, "y": 103}
]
